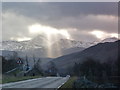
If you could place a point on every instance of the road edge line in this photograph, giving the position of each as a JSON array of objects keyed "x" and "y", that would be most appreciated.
[{"x": 63, "y": 83}]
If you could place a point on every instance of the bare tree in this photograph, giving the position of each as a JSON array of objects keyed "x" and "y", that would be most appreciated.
[
  {"x": 34, "y": 61},
  {"x": 52, "y": 69},
  {"x": 27, "y": 63},
  {"x": 38, "y": 65}
]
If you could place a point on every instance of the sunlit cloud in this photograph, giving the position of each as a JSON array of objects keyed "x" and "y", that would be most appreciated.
[
  {"x": 20, "y": 39},
  {"x": 98, "y": 34},
  {"x": 40, "y": 29},
  {"x": 114, "y": 35},
  {"x": 102, "y": 35}
]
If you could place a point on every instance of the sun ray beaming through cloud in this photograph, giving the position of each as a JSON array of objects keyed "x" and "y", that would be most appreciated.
[
  {"x": 51, "y": 34},
  {"x": 38, "y": 28}
]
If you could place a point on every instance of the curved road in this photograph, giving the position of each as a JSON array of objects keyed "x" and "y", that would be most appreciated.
[{"x": 46, "y": 82}]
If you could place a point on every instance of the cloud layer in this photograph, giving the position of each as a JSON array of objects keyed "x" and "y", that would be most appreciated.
[{"x": 77, "y": 18}]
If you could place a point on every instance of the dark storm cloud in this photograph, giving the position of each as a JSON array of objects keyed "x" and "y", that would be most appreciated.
[
  {"x": 82, "y": 16},
  {"x": 53, "y": 13},
  {"x": 62, "y": 9}
]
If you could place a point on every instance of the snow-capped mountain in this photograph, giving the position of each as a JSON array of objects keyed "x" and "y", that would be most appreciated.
[
  {"x": 41, "y": 42},
  {"x": 13, "y": 45},
  {"x": 37, "y": 42},
  {"x": 112, "y": 39},
  {"x": 39, "y": 46},
  {"x": 66, "y": 43}
]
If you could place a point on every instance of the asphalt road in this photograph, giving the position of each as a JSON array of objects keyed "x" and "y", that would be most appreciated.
[{"x": 47, "y": 82}]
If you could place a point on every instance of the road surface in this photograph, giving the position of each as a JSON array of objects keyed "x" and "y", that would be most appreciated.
[{"x": 46, "y": 82}]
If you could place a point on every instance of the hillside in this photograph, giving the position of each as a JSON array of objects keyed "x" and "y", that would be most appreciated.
[{"x": 102, "y": 52}]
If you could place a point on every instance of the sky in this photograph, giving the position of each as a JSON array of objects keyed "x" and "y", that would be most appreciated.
[{"x": 88, "y": 21}]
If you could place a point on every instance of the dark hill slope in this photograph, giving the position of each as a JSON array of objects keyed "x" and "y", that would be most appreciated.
[{"x": 102, "y": 52}]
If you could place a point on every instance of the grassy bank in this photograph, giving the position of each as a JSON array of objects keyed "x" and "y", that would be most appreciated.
[
  {"x": 8, "y": 79},
  {"x": 69, "y": 83}
]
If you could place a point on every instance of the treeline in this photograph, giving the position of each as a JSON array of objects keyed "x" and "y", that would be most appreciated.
[
  {"x": 14, "y": 61},
  {"x": 8, "y": 64},
  {"x": 96, "y": 71}
]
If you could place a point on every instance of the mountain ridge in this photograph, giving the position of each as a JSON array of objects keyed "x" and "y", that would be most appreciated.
[
  {"x": 102, "y": 52},
  {"x": 39, "y": 45}
]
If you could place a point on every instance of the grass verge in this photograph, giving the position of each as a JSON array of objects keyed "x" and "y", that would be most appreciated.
[
  {"x": 8, "y": 79},
  {"x": 69, "y": 83}
]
